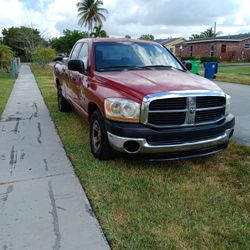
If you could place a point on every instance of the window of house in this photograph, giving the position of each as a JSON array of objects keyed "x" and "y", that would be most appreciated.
[
  {"x": 212, "y": 50},
  {"x": 247, "y": 46},
  {"x": 191, "y": 50},
  {"x": 223, "y": 48}
]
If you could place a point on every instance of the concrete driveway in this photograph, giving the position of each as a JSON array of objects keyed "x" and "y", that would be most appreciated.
[
  {"x": 240, "y": 108},
  {"x": 42, "y": 204}
]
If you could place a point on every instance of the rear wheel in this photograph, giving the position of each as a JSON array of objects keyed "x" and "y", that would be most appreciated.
[
  {"x": 98, "y": 137},
  {"x": 63, "y": 104}
]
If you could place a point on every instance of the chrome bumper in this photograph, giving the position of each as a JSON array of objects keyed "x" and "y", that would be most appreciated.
[{"x": 117, "y": 143}]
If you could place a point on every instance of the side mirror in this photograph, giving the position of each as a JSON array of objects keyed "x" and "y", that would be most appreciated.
[
  {"x": 188, "y": 65},
  {"x": 58, "y": 58},
  {"x": 76, "y": 65}
]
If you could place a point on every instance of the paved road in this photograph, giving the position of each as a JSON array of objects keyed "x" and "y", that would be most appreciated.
[
  {"x": 240, "y": 108},
  {"x": 42, "y": 204}
]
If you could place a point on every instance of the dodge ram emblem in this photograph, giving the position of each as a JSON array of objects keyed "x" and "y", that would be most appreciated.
[{"x": 192, "y": 110}]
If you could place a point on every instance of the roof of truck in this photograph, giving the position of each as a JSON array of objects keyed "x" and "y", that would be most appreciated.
[{"x": 116, "y": 40}]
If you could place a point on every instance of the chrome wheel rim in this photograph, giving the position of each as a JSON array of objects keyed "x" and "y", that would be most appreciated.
[{"x": 96, "y": 136}]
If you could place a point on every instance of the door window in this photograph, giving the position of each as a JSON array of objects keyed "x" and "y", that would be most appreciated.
[
  {"x": 75, "y": 52},
  {"x": 84, "y": 54}
]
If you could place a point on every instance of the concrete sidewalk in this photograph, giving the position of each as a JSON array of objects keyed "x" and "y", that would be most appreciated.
[{"x": 42, "y": 204}]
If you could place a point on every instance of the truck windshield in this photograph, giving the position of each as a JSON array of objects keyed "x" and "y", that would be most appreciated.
[{"x": 119, "y": 56}]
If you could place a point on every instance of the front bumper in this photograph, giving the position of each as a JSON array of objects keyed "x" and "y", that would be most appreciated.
[{"x": 191, "y": 141}]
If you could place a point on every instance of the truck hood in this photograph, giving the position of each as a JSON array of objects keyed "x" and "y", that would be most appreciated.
[{"x": 143, "y": 82}]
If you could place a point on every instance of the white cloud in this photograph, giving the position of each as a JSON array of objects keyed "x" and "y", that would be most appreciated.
[{"x": 162, "y": 18}]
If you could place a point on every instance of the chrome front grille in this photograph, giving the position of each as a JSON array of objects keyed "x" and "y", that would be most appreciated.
[{"x": 183, "y": 109}]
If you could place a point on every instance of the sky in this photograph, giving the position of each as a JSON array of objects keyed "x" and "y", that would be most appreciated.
[{"x": 162, "y": 18}]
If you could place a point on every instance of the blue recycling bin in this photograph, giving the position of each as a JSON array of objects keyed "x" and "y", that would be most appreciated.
[{"x": 211, "y": 68}]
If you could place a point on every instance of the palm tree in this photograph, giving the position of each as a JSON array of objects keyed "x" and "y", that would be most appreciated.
[
  {"x": 6, "y": 56},
  {"x": 98, "y": 32},
  {"x": 205, "y": 34},
  {"x": 91, "y": 13}
]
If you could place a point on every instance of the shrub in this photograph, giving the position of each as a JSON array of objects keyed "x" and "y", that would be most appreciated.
[
  {"x": 6, "y": 57},
  {"x": 43, "y": 56},
  {"x": 190, "y": 58},
  {"x": 209, "y": 59}
]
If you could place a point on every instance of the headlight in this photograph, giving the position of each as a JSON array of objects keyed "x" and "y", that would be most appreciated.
[
  {"x": 120, "y": 109},
  {"x": 228, "y": 105}
]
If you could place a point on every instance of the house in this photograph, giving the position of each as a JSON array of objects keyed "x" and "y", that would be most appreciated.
[
  {"x": 226, "y": 48},
  {"x": 170, "y": 43}
]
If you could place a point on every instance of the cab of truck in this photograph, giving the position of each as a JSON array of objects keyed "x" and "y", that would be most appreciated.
[{"x": 140, "y": 99}]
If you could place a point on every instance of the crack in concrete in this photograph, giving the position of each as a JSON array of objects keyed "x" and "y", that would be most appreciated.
[
  {"x": 13, "y": 159},
  {"x": 5, "y": 196},
  {"x": 46, "y": 164},
  {"x": 36, "y": 109},
  {"x": 39, "y": 133},
  {"x": 22, "y": 156},
  {"x": 34, "y": 114},
  {"x": 57, "y": 244},
  {"x": 15, "y": 130},
  {"x": 33, "y": 179}
]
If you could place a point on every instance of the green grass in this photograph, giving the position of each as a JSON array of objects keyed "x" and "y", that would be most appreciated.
[
  {"x": 200, "y": 204},
  {"x": 235, "y": 75},
  {"x": 224, "y": 64},
  {"x": 6, "y": 84}
]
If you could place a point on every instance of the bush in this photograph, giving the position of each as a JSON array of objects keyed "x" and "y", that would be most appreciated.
[
  {"x": 190, "y": 58},
  {"x": 43, "y": 56},
  {"x": 6, "y": 57},
  {"x": 209, "y": 59}
]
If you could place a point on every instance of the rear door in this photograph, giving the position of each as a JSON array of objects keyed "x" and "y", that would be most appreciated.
[
  {"x": 72, "y": 76},
  {"x": 82, "y": 82}
]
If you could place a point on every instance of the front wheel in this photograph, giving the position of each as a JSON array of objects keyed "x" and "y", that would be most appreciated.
[
  {"x": 63, "y": 104},
  {"x": 98, "y": 137}
]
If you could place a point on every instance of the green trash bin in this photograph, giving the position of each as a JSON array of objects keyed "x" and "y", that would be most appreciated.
[{"x": 195, "y": 67}]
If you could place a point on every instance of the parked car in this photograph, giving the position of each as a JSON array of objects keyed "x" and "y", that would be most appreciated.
[{"x": 140, "y": 99}]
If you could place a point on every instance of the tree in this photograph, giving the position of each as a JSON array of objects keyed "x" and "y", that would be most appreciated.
[
  {"x": 91, "y": 13},
  {"x": 147, "y": 37},
  {"x": 128, "y": 36},
  {"x": 43, "y": 55},
  {"x": 98, "y": 32},
  {"x": 23, "y": 40},
  {"x": 6, "y": 57},
  {"x": 65, "y": 43},
  {"x": 205, "y": 34}
]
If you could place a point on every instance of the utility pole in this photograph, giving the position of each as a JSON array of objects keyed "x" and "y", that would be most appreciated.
[{"x": 214, "y": 29}]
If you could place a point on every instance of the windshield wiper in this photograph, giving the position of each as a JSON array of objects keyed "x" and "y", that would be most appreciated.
[
  {"x": 117, "y": 67},
  {"x": 161, "y": 67},
  {"x": 129, "y": 67}
]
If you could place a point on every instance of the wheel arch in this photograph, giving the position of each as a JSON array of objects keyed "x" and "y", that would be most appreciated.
[{"x": 92, "y": 107}]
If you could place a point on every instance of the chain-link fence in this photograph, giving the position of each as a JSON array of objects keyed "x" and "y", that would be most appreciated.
[{"x": 10, "y": 66}]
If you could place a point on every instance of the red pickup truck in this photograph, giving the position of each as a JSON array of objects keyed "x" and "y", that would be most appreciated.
[{"x": 140, "y": 99}]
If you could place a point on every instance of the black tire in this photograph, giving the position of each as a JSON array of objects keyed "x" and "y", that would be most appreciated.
[
  {"x": 99, "y": 143},
  {"x": 63, "y": 104}
]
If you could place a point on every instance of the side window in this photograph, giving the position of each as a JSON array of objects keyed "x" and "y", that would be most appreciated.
[
  {"x": 75, "y": 51},
  {"x": 84, "y": 54}
]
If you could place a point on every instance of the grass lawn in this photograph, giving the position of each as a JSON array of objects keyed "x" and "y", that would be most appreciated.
[
  {"x": 6, "y": 84},
  {"x": 202, "y": 203},
  {"x": 236, "y": 75},
  {"x": 224, "y": 64}
]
